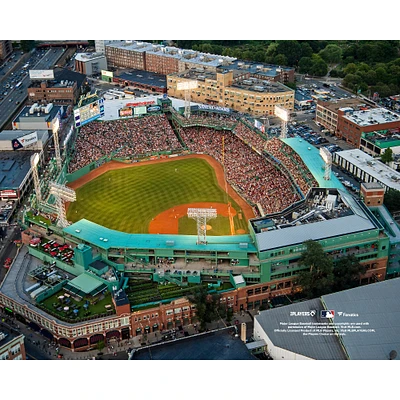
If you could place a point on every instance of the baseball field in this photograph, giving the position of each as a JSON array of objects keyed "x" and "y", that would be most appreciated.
[{"x": 153, "y": 197}]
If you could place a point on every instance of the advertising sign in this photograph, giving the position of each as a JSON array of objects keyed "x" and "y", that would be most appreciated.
[
  {"x": 41, "y": 74},
  {"x": 125, "y": 112},
  {"x": 151, "y": 109},
  {"x": 24, "y": 141},
  {"x": 140, "y": 110}
]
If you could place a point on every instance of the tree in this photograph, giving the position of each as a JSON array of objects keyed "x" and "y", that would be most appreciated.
[
  {"x": 387, "y": 156},
  {"x": 332, "y": 54},
  {"x": 305, "y": 65},
  {"x": 347, "y": 273},
  {"x": 27, "y": 45},
  {"x": 291, "y": 49},
  {"x": 319, "y": 67},
  {"x": 392, "y": 200},
  {"x": 317, "y": 278},
  {"x": 206, "y": 305},
  {"x": 280, "y": 59}
]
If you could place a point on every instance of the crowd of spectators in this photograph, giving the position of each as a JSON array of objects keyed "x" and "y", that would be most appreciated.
[
  {"x": 293, "y": 163},
  {"x": 257, "y": 179},
  {"x": 123, "y": 138}
]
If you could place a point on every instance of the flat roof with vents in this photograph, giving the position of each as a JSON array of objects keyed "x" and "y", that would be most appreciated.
[{"x": 372, "y": 116}]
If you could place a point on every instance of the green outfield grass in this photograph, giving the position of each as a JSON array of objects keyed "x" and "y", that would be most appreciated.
[{"x": 127, "y": 199}]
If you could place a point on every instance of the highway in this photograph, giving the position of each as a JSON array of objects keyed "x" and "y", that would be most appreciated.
[{"x": 16, "y": 96}]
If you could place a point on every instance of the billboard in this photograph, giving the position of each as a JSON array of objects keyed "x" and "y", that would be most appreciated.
[
  {"x": 125, "y": 112},
  {"x": 107, "y": 73},
  {"x": 24, "y": 141},
  {"x": 41, "y": 74},
  {"x": 326, "y": 155},
  {"x": 8, "y": 193},
  {"x": 88, "y": 113},
  {"x": 282, "y": 113},
  {"x": 140, "y": 110},
  {"x": 186, "y": 85},
  {"x": 151, "y": 109}
]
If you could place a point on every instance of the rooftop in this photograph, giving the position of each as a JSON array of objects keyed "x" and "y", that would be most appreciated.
[
  {"x": 376, "y": 306},
  {"x": 14, "y": 166},
  {"x": 318, "y": 347},
  {"x": 266, "y": 70},
  {"x": 372, "y": 116},
  {"x": 106, "y": 238},
  {"x": 7, "y": 334},
  {"x": 220, "y": 345},
  {"x": 39, "y": 113},
  {"x": 84, "y": 57},
  {"x": 383, "y": 138},
  {"x": 63, "y": 77},
  {"x": 325, "y": 213},
  {"x": 375, "y": 168},
  {"x": 335, "y": 105},
  {"x": 143, "y": 77}
]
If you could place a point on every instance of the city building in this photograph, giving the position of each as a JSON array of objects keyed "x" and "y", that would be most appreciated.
[
  {"x": 327, "y": 111},
  {"x": 64, "y": 89},
  {"x": 100, "y": 46},
  {"x": 303, "y": 100},
  {"x": 234, "y": 90},
  {"x": 353, "y": 123},
  {"x": 12, "y": 344},
  {"x": 355, "y": 324},
  {"x": 37, "y": 117},
  {"x": 375, "y": 143},
  {"x": 367, "y": 168},
  {"x": 166, "y": 60},
  {"x": 90, "y": 63},
  {"x": 5, "y": 49}
]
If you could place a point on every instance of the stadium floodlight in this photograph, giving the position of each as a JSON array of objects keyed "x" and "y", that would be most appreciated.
[
  {"x": 201, "y": 215},
  {"x": 187, "y": 86},
  {"x": 62, "y": 194},
  {"x": 283, "y": 114},
  {"x": 36, "y": 183},
  {"x": 327, "y": 157}
]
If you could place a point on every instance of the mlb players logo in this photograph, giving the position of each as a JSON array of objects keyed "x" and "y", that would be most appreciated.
[{"x": 327, "y": 313}]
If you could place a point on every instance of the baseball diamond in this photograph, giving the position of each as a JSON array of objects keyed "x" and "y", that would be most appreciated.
[{"x": 153, "y": 197}]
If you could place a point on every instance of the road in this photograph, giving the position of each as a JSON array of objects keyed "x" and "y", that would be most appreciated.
[{"x": 9, "y": 104}]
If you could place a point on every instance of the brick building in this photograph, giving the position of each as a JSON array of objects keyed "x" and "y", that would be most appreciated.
[
  {"x": 327, "y": 111},
  {"x": 352, "y": 123},
  {"x": 64, "y": 89}
]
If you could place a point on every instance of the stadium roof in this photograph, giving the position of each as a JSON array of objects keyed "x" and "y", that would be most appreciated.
[
  {"x": 377, "y": 307},
  {"x": 310, "y": 156},
  {"x": 106, "y": 238},
  {"x": 314, "y": 231},
  {"x": 318, "y": 347}
]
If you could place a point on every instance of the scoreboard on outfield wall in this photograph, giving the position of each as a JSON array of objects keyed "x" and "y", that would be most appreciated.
[{"x": 88, "y": 113}]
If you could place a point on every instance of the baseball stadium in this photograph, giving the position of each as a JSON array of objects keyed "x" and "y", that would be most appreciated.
[{"x": 146, "y": 207}]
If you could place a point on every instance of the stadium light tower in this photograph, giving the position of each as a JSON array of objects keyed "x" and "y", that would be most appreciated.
[
  {"x": 36, "y": 183},
  {"x": 201, "y": 215},
  {"x": 62, "y": 194},
  {"x": 283, "y": 114},
  {"x": 327, "y": 157},
  {"x": 187, "y": 87},
  {"x": 57, "y": 145}
]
